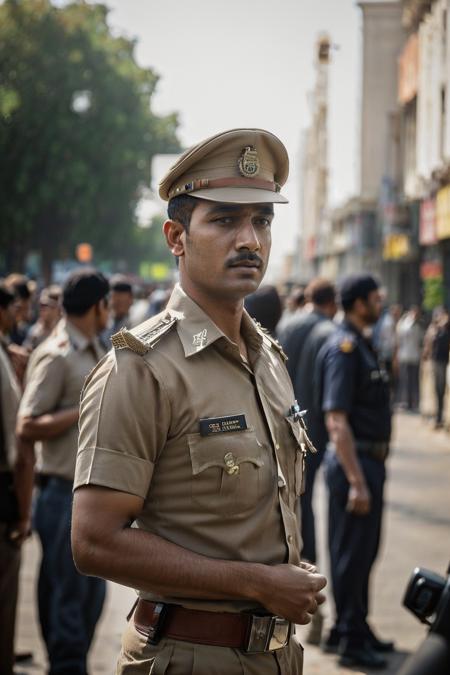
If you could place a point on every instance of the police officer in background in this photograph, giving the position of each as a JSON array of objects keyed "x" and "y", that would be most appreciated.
[
  {"x": 69, "y": 603},
  {"x": 355, "y": 401},
  {"x": 189, "y": 429}
]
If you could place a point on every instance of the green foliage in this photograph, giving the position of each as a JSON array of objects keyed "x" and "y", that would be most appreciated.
[
  {"x": 433, "y": 293},
  {"x": 77, "y": 132}
]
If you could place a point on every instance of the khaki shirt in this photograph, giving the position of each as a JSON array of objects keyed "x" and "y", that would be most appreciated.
[
  {"x": 231, "y": 494},
  {"x": 9, "y": 404},
  {"x": 55, "y": 378}
]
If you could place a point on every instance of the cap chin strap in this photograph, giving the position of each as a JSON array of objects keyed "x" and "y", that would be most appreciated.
[{"x": 235, "y": 181}]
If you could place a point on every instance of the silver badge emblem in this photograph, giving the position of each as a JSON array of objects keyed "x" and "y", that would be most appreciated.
[
  {"x": 200, "y": 339},
  {"x": 249, "y": 162}
]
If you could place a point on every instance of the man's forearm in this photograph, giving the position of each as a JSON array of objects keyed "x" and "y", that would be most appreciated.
[
  {"x": 24, "y": 478},
  {"x": 49, "y": 425},
  {"x": 342, "y": 437}
]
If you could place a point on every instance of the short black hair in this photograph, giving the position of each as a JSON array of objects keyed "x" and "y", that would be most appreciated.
[
  {"x": 264, "y": 305},
  {"x": 320, "y": 292},
  {"x": 6, "y": 297},
  {"x": 356, "y": 287},
  {"x": 180, "y": 208},
  {"x": 82, "y": 289},
  {"x": 120, "y": 283}
]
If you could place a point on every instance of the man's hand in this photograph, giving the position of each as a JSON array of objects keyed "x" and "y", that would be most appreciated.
[
  {"x": 19, "y": 358},
  {"x": 292, "y": 592},
  {"x": 358, "y": 501},
  {"x": 20, "y": 531}
]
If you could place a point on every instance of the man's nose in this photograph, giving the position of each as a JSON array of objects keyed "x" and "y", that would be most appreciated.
[{"x": 247, "y": 237}]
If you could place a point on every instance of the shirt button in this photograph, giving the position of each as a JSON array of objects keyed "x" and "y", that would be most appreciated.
[
  {"x": 281, "y": 482},
  {"x": 290, "y": 538},
  {"x": 277, "y": 447}
]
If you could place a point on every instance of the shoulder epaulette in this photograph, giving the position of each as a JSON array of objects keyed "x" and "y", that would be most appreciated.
[
  {"x": 271, "y": 341},
  {"x": 347, "y": 343},
  {"x": 145, "y": 336}
]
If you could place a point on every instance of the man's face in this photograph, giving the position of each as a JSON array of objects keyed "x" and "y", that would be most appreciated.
[
  {"x": 7, "y": 318},
  {"x": 22, "y": 309},
  {"x": 49, "y": 314},
  {"x": 372, "y": 307},
  {"x": 102, "y": 314},
  {"x": 226, "y": 251},
  {"x": 120, "y": 303}
]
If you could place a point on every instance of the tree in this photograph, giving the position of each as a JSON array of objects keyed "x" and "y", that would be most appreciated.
[{"x": 77, "y": 132}]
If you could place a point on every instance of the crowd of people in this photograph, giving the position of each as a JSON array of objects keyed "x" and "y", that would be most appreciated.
[{"x": 50, "y": 339}]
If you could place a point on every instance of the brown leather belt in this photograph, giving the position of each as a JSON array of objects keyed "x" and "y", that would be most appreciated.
[{"x": 249, "y": 632}]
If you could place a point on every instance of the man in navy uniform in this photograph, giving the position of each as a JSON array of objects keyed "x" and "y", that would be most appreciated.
[{"x": 355, "y": 401}]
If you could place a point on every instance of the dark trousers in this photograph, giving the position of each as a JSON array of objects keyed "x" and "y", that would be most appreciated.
[
  {"x": 308, "y": 531},
  {"x": 9, "y": 582},
  {"x": 409, "y": 385},
  {"x": 353, "y": 546},
  {"x": 440, "y": 383},
  {"x": 69, "y": 603}
]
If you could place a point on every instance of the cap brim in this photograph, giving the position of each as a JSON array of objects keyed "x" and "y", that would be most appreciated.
[{"x": 236, "y": 195}]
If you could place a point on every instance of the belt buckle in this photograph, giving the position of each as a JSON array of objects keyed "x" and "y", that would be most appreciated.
[{"x": 267, "y": 633}]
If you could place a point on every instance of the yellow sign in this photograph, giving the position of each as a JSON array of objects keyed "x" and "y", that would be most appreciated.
[
  {"x": 396, "y": 246},
  {"x": 154, "y": 271},
  {"x": 443, "y": 213}
]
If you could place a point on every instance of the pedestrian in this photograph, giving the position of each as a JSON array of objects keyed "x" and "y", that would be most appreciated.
[
  {"x": 264, "y": 305},
  {"x": 355, "y": 402},
  {"x": 437, "y": 346},
  {"x": 409, "y": 351},
  {"x": 295, "y": 304},
  {"x": 305, "y": 339},
  {"x": 22, "y": 289},
  {"x": 69, "y": 603},
  {"x": 191, "y": 424},
  {"x": 10, "y": 393},
  {"x": 49, "y": 315},
  {"x": 120, "y": 302}
]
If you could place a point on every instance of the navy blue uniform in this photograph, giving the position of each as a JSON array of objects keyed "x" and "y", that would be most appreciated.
[{"x": 351, "y": 381}]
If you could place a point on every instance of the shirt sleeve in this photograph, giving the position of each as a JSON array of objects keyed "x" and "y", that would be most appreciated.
[
  {"x": 44, "y": 385},
  {"x": 338, "y": 380},
  {"x": 124, "y": 422}
]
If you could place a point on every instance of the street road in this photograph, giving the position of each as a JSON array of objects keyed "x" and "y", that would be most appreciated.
[{"x": 416, "y": 532}]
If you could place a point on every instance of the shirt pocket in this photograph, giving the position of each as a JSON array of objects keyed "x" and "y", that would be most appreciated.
[
  {"x": 227, "y": 471},
  {"x": 301, "y": 445}
]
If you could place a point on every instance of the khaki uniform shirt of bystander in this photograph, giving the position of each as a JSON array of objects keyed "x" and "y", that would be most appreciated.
[
  {"x": 180, "y": 419},
  {"x": 55, "y": 377}
]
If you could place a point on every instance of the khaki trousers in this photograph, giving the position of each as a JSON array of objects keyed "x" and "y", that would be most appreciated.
[{"x": 174, "y": 657}]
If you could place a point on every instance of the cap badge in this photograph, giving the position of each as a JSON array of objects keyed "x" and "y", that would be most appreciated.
[{"x": 249, "y": 162}]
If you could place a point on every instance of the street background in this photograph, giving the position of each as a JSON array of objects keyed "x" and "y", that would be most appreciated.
[{"x": 416, "y": 533}]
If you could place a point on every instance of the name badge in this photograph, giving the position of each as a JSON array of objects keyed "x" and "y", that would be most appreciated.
[{"x": 222, "y": 425}]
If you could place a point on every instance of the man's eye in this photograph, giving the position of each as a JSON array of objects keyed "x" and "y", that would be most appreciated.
[
  {"x": 263, "y": 222},
  {"x": 223, "y": 220}
]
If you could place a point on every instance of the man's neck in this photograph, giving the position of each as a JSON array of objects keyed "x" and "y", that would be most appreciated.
[
  {"x": 356, "y": 322},
  {"x": 84, "y": 325},
  {"x": 227, "y": 315}
]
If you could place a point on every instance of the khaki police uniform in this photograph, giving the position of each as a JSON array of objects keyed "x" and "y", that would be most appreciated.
[
  {"x": 69, "y": 603},
  {"x": 9, "y": 552},
  {"x": 175, "y": 415},
  {"x": 55, "y": 378}
]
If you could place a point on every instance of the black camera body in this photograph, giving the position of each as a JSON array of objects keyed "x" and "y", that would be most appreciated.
[{"x": 428, "y": 597}]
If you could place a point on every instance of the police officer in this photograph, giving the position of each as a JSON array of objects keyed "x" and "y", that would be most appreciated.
[
  {"x": 355, "y": 400},
  {"x": 302, "y": 341},
  {"x": 69, "y": 603},
  {"x": 191, "y": 424}
]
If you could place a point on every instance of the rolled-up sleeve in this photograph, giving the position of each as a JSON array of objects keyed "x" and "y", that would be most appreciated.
[
  {"x": 44, "y": 385},
  {"x": 338, "y": 380},
  {"x": 124, "y": 421}
]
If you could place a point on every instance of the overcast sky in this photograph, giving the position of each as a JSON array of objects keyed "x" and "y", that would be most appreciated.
[{"x": 238, "y": 63}]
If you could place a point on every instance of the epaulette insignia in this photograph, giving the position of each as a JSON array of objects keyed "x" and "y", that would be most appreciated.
[
  {"x": 347, "y": 346},
  {"x": 142, "y": 339},
  {"x": 272, "y": 341}
]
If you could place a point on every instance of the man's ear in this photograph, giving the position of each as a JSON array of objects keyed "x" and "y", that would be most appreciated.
[{"x": 174, "y": 233}]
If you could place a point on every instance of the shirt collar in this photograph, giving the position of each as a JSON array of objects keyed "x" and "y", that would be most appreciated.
[
  {"x": 79, "y": 341},
  {"x": 196, "y": 329}
]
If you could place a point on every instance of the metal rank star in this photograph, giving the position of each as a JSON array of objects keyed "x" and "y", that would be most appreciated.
[
  {"x": 230, "y": 463},
  {"x": 200, "y": 339},
  {"x": 249, "y": 162}
]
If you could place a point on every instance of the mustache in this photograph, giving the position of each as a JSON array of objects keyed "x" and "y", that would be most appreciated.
[{"x": 245, "y": 256}]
